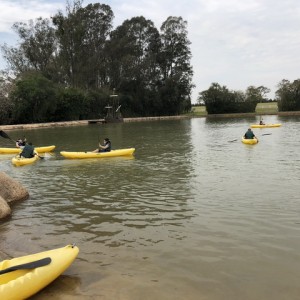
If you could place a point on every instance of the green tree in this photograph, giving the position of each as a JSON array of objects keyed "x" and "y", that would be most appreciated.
[
  {"x": 6, "y": 105},
  {"x": 34, "y": 98},
  {"x": 71, "y": 105},
  {"x": 174, "y": 59},
  {"x": 81, "y": 56},
  {"x": 36, "y": 49},
  {"x": 288, "y": 95},
  {"x": 219, "y": 100},
  {"x": 257, "y": 94},
  {"x": 133, "y": 66},
  {"x": 216, "y": 99},
  {"x": 82, "y": 34},
  {"x": 95, "y": 102}
]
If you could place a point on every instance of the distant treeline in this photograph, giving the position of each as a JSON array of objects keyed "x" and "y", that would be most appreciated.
[
  {"x": 219, "y": 99},
  {"x": 67, "y": 66}
]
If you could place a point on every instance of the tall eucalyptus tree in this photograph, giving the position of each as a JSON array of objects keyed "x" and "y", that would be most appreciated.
[
  {"x": 176, "y": 69},
  {"x": 82, "y": 34},
  {"x": 134, "y": 70},
  {"x": 36, "y": 50}
]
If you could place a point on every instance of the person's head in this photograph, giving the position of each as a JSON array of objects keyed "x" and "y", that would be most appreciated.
[
  {"x": 249, "y": 129},
  {"x": 30, "y": 143},
  {"x": 106, "y": 140}
]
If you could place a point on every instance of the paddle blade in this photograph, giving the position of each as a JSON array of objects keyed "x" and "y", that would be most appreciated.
[
  {"x": 4, "y": 135},
  {"x": 27, "y": 266}
]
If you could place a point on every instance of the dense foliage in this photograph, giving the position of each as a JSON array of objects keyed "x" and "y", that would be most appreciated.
[
  {"x": 66, "y": 67},
  {"x": 6, "y": 105},
  {"x": 219, "y": 100},
  {"x": 288, "y": 95}
]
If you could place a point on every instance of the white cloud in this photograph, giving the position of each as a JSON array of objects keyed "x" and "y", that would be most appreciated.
[
  {"x": 22, "y": 11},
  {"x": 236, "y": 43}
]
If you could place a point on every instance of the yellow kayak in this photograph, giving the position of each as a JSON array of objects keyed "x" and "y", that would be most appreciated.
[
  {"x": 22, "y": 277},
  {"x": 265, "y": 126},
  {"x": 250, "y": 141},
  {"x": 18, "y": 150},
  {"x": 21, "y": 161},
  {"x": 112, "y": 153}
]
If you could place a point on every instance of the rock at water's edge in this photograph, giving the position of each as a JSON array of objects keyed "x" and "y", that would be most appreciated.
[
  {"x": 11, "y": 190},
  {"x": 5, "y": 210}
]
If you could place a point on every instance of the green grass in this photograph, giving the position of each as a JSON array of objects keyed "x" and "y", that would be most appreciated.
[
  {"x": 198, "y": 111},
  {"x": 270, "y": 107},
  {"x": 261, "y": 108}
]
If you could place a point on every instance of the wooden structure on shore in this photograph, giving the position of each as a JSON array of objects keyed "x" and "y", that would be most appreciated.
[
  {"x": 101, "y": 121},
  {"x": 113, "y": 114}
]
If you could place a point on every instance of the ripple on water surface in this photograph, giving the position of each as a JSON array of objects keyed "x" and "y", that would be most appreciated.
[{"x": 191, "y": 214}]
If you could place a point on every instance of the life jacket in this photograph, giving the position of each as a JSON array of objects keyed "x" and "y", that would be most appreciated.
[
  {"x": 108, "y": 149},
  {"x": 28, "y": 151}
]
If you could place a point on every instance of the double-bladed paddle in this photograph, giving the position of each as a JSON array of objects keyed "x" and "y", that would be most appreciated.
[
  {"x": 256, "y": 138},
  {"x": 27, "y": 266}
]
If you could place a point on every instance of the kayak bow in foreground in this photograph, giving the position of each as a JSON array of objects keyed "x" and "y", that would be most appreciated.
[{"x": 22, "y": 277}]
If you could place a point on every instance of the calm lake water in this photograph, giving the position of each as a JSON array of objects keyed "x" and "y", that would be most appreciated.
[{"x": 193, "y": 215}]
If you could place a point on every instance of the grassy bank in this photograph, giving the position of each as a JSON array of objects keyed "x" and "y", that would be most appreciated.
[
  {"x": 267, "y": 108},
  {"x": 198, "y": 111},
  {"x": 261, "y": 108}
]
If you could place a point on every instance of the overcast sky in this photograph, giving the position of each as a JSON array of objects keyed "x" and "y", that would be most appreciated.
[{"x": 236, "y": 43}]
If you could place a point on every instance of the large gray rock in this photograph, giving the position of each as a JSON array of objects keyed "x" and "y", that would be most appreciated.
[
  {"x": 11, "y": 190},
  {"x": 5, "y": 210}
]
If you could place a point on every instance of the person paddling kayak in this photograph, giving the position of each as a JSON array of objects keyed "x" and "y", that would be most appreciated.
[
  {"x": 104, "y": 148},
  {"x": 20, "y": 143},
  {"x": 28, "y": 151},
  {"x": 249, "y": 134}
]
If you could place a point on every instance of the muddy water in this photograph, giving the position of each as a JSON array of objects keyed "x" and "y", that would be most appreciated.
[{"x": 195, "y": 214}]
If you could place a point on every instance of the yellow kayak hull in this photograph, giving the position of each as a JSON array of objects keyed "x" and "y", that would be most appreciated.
[
  {"x": 112, "y": 153},
  {"x": 249, "y": 141},
  {"x": 18, "y": 150},
  {"x": 265, "y": 126},
  {"x": 22, "y": 284},
  {"x": 21, "y": 161}
]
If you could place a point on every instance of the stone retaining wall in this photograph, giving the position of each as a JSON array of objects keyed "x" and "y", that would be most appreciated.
[
  {"x": 84, "y": 122},
  {"x": 41, "y": 125},
  {"x": 189, "y": 116}
]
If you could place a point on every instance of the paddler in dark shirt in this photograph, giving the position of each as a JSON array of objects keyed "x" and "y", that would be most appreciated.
[
  {"x": 106, "y": 147},
  {"x": 249, "y": 134},
  {"x": 28, "y": 151}
]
